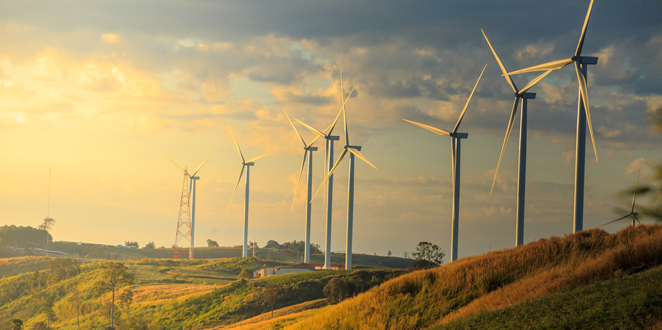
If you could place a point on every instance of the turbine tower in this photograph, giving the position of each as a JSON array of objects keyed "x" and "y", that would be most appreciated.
[
  {"x": 583, "y": 117},
  {"x": 307, "y": 149},
  {"x": 191, "y": 192},
  {"x": 354, "y": 151},
  {"x": 183, "y": 221},
  {"x": 632, "y": 213},
  {"x": 328, "y": 164},
  {"x": 521, "y": 169},
  {"x": 455, "y": 161},
  {"x": 244, "y": 165}
]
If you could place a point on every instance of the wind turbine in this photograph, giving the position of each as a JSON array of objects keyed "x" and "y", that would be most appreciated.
[
  {"x": 583, "y": 116},
  {"x": 244, "y": 165},
  {"x": 455, "y": 157},
  {"x": 521, "y": 170},
  {"x": 191, "y": 189},
  {"x": 354, "y": 151},
  {"x": 328, "y": 164},
  {"x": 632, "y": 213},
  {"x": 307, "y": 149}
]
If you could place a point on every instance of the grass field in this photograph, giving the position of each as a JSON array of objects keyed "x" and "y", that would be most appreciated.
[{"x": 494, "y": 281}]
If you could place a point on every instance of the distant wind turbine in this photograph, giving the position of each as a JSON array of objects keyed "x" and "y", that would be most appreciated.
[
  {"x": 583, "y": 116},
  {"x": 192, "y": 186},
  {"x": 521, "y": 170},
  {"x": 632, "y": 213},
  {"x": 328, "y": 164},
  {"x": 307, "y": 149},
  {"x": 455, "y": 160},
  {"x": 354, "y": 151},
  {"x": 244, "y": 165}
]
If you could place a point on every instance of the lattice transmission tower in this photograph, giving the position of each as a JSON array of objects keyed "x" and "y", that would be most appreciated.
[{"x": 183, "y": 223}]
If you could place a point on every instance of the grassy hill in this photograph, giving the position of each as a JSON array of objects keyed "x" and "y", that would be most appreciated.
[
  {"x": 591, "y": 279},
  {"x": 500, "y": 279},
  {"x": 168, "y": 294}
]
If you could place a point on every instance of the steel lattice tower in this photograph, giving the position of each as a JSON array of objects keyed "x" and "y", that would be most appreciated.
[{"x": 183, "y": 223}]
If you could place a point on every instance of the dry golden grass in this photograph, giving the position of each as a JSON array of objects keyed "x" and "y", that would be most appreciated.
[
  {"x": 152, "y": 293},
  {"x": 282, "y": 317},
  {"x": 494, "y": 280},
  {"x": 18, "y": 265}
]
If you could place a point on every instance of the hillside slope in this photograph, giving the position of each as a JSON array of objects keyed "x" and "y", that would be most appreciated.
[{"x": 494, "y": 280}]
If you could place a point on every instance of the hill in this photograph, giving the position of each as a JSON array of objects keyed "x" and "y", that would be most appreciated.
[
  {"x": 167, "y": 294},
  {"x": 500, "y": 279}
]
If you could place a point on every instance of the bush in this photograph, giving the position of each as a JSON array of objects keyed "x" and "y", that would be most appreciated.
[
  {"x": 336, "y": 290},
  {"x": 245, "y": 273}
]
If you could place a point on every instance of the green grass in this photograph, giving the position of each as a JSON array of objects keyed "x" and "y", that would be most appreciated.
[{"x": 622, "y": 302}]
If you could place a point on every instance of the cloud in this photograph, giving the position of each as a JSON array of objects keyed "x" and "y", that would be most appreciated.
[
  {"x": 640, "y": 164},
  {"x": 110, "y": 38}
]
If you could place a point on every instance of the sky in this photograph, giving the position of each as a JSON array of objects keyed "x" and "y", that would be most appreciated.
[{"x": 99, "y": 92}]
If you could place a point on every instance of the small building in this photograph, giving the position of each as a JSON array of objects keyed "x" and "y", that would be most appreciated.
[{"x": 279, "y": 270}]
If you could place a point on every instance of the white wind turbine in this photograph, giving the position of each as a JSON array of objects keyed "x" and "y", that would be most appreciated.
[
  {"x": 521, "y": 169},
  {"x": 244, "y": 165},
  {"x": 307, "y": 149},
  {"x": 192, "y": 188},
  {"x": 328, "y": 164},
  {"x": 354, "y": 151},
  {"x": 455, "y": 161},
  {"x": 632, "y": 213},
  {"x": 583, "y": 116}
]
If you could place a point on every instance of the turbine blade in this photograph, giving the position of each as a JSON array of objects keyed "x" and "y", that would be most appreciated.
[
  {"x": 313, "y": 142},
  {"x": 503, "y": 69},
  {"x": 459, "y": 120},
  {"x": 542, "y": 67},
  {"x": 453, "y": 153},
  {"x": 295, "y": 129},
  {"x": 621, "y": 218},
  {"x": 312, "y": 129},
  {"x": 358, "y": 154},
  {"x": 534, "y": 82},
  {"x": 190, "y": 188},
  {"x": 429, "y": 128},
  {"x": 635, "y": 191},
  {"x": 584, "y": 92},
  {"x": 505, "y": 140},
  {"x": 636, "y": 218},
  {"x": 329, "y": 129},
  {"x": 580, "y": 44},
  {"x": 326, "y": 168},
  {"x": 235, "y": 188},
  {"x": 296, "y": 189},
  {"x": 256, "y": 158},
  {"x": 181, "y": 169},
  {"x": 237, "y": 144},
  {"x": 203, "y": 163},
  {"x": 333, "y": 169},
  {"x": 344, "y": 117}
]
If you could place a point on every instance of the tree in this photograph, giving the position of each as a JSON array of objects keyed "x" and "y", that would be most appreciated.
[
  {"x": 16, "y": 324},
  {"x": 39, "y": 326},
  {"x": 652, "y": 188},
  {"x": 47, "y": 309},
  {"x": 47, "y": 225},
  {"x": 389, "y": 253},
  {"x": 211, "y": 243},
  {"x": 245, "y": 273},
  {"x": 129, "y": 243},
  {"x": 113, "y": 275},
  {"x": 270, "y": 294},
  {"x": 126, "y": 298},
  {"x": 253, "y": 245},
  {"x": 427, "y": 255},
  {"x": 150, "y": 245},
  {"x": 406, "y": 255},
  {"x": 336, "y": 290},
  {"x": 271, "y": 244}
]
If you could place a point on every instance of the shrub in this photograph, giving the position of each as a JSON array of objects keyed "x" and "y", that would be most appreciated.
[{"x": 245, "y": 273}]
